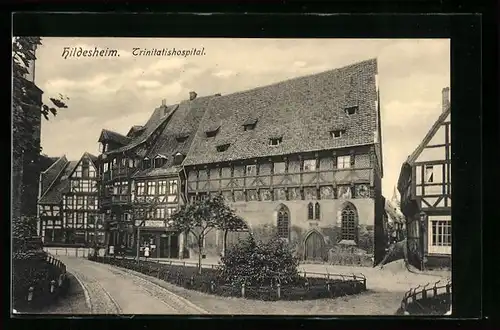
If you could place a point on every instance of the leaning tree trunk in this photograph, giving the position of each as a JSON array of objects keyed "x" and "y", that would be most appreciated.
[{"x": 395, "y": 252}]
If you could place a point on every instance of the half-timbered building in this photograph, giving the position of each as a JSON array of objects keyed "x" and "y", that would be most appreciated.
[
  {"x": 425, "y": 187},
  {"x": 140, "y": 177},
  {"x": 68, "y": 204},
  {"x": 301, "y": 158}
]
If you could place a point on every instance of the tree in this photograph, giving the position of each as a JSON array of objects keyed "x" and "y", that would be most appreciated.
[
  {"x": 200, "y": 217},
  {"x": 259, "y": 263},
  {"x": 25, "y": 101},
  {"x": 27, "y": 108}
]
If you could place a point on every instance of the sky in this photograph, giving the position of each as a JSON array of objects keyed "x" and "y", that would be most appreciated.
[{"x": 119, "y": 92}]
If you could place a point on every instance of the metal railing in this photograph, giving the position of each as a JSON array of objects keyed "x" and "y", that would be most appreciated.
[{"x": 439, "y": 293}]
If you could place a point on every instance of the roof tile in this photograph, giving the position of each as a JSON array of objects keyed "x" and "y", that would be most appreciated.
[{"x": 302, "y": 111}]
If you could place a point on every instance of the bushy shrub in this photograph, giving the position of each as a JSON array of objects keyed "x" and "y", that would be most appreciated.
[{"x": 259, "y": 263}]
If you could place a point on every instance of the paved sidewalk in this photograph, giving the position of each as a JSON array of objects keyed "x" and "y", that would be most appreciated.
[{"x": 111, "y": 290}]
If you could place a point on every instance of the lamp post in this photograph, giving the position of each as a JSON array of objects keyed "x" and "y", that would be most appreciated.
[{"x": 423, "y": 219}]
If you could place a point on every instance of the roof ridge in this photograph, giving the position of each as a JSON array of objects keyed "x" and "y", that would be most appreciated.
[
  {"x": 143, "y": 140},
  {"x": 345, "y": 67},
  {"x": 55, "y": 178},
  {"x": 428, "y": 136}
]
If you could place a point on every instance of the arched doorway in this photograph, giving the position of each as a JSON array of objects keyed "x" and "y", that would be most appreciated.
[{"x": 314, "y": 246}]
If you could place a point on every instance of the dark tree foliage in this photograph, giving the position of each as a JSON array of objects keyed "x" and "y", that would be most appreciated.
[
  {"x": 25, "y": 96},
  {"x": 259, "y": 263},
  {"x": 27, "y": 108},
  {"x": 201, "y": 217}
]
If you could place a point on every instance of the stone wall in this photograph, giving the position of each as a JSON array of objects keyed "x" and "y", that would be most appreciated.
[{"x": 261, "y": 218}]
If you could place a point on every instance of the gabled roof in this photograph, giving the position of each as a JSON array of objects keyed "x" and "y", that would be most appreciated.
[
  {"x": 60, "y": 175},
  {"x": 92, "y": 158},
  {"x": 45, "y": 162},
  {"x": 428, "y": 137},
  {"x": 48, "y": 176},
  {"x": 55, "y": 193},
  {"x": 134, "y": 129},
  {"x": 183, "y": 123},
  {"x": 159, "y": 116},
  {"x": 107, "y": 135},
  {"x": 302, "y": 111}
]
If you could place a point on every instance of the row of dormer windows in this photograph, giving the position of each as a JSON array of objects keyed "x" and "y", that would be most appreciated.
[
  {"x": 275, "y": 141},
  {"x": 251, "y": 123}
]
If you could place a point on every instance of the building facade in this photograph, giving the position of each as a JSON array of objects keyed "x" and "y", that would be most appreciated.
[
  {"x": 140, "y": 178},
  {"x": 425, "y": 187},
  {"x": 68, "y": 203},
  {"x": 301, "y": 159}
]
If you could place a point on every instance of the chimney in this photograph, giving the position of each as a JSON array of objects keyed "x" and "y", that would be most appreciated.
[
  {"x": 192, "y": 96},
  {"x": 445, "y": 102},
  {"x": 164, "y": 103}
]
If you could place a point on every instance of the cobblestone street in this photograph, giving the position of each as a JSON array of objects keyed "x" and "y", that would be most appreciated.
[
  {"x": 109, "y": 290},
  {"x": 103, "y": 289}
]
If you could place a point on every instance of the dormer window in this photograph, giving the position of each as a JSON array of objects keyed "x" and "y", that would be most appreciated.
[
  {"x": 351, "y": 110},
  {"x": 249, "y": 124},
  {"x": 211, "y": 132},
  {"x": 275, "y": 141},
  {"x": 223, "y": 147},
  {"x": 160, "y": 160},
  {"x": 337, "y": 133},
  {"x": 178, "y": 158},
  {"x": 146, "y": 163}
]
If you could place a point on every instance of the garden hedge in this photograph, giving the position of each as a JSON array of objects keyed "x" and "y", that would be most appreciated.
[{"x": 209, "y": 281}]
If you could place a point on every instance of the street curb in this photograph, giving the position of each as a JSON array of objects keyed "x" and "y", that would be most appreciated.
[
  {"x": 88, "y": 303},
  {"x": 148, "y": 278}
]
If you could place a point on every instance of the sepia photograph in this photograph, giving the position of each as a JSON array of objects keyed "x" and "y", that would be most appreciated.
[{"x": 226, "y": 176}]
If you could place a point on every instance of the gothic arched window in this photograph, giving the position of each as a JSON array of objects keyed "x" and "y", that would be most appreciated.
[
  {"x": 310, "y": 211},
  {"x": 317, "y": 211},
  {"x": 349, "y": 223},
  {"x": 283, "y": 222}
]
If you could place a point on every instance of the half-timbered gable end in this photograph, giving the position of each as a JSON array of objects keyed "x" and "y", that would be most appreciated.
[
  {"x": 425, "y": 185},
  {"x": 68, "y": 207}
]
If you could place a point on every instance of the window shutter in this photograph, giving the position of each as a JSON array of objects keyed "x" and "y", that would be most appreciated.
[
  {"x": 334, "y": 160},
  {"x": 353, "y": 158}
]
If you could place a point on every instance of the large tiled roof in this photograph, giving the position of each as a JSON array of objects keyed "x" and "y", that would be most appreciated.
[
  {"x": 159, "y": 116},
  {"x": 177, "y": 135},
  {"x": 60, "y": 186},
  {"x": 302, "y": 111},
  {"x": 50, "y": 174}
]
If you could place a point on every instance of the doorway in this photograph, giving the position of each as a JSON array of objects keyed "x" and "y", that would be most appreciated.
[
  {"x": 169, "y": 246},
  {"x": 314, "y": 247}
]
